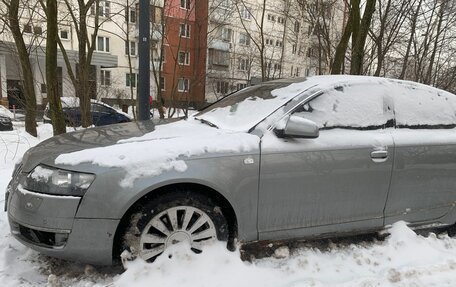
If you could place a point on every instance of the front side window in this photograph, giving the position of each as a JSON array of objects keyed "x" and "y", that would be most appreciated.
[{"x": 349, "y": 107}]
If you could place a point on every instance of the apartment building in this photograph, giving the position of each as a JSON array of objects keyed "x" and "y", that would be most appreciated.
[
  {"x": 286, "y": 30},
  {"x": 200, "y": 50}
]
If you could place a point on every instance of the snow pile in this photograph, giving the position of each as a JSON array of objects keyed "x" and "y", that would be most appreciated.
[
  {"x": 164, "y": 149},
  {"x": 403, "y": 259}
]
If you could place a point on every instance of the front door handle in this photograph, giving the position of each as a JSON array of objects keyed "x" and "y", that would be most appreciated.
[{"x": 379, "y": 155}]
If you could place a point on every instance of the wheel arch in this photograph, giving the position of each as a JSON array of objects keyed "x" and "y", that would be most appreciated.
[{"x": 205, "y": 190}]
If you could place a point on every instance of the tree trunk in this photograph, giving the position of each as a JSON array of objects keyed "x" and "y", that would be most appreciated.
[
  {"x": 360, "y": 41},
  {"x": 341, "y": 49},
  {"x": 58, "y": 121},
  {"x": 82, "y": 90},
  {"x": 427, "y": 78},
  {"x": 410, "y": 41},
  {"x": 26, "y": 68}
]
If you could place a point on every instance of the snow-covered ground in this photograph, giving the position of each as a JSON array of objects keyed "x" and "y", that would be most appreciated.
[{"x": 402, "y": 259}]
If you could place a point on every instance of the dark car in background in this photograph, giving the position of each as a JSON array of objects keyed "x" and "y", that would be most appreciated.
[
  {"x": 5, "y": 124},
  {"x": 102, "y": 114}
]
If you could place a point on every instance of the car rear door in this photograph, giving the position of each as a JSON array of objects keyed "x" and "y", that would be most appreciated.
[
  {"x": 337, "y": 182},
  {"x": 423, "y": 185}
]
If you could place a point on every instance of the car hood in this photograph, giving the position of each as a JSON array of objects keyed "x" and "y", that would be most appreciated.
[
  {"x": 139, "y": 146},
  {"x": 46, "y": 151}
]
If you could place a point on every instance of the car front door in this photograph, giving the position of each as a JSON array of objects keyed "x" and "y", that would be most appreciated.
[
  {"x": 423, "y": 185},
  {"x": 337, "y": 182}
]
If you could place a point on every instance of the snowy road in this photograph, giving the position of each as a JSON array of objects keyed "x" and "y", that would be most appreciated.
[{"x": 402, "y": 259}]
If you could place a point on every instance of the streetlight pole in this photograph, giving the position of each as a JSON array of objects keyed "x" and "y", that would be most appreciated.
[{"x": 144, "y": 61}]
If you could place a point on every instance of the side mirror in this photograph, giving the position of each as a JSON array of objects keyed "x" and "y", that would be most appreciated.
[{"x": 301, "y": 128}]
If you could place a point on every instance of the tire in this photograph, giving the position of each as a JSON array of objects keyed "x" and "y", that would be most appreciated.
[{"x": 172, "y": 218}]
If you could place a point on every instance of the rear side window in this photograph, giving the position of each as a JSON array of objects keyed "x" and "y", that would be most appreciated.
[
  {"x": 418, "y": 106},
  {"x": 359, "y": 106}
]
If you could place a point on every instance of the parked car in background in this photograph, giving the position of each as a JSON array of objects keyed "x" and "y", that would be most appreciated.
[
  {"x": 287, "y": 159},
  {"x": 5, "y": 124},
  {"x": 5, "y": 119},
  {"x": 102, "y": 114}
]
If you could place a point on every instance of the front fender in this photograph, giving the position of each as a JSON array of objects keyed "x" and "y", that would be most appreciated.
[{"x": 234, "y": 177}]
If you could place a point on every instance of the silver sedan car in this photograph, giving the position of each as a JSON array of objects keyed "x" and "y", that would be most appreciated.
[{"x": 301, "y": 158}]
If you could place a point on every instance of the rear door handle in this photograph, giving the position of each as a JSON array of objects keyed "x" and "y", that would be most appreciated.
[{"x": 379, "y": 155}]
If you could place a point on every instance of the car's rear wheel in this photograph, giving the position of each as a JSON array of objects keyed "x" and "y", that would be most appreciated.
[{"x": 173, "y": 218}]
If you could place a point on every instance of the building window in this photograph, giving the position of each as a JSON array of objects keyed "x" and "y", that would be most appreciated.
[
  {"x": 226, "y": 34},
  {"x": 241, "y": 86},
  {"x": 37, "y": 30},
  {"x": 64, "y": 35},
  {"x": 294, "y": 49},
  {"x": 277, "y": 67},
  {"x": 184, "y": 58},
  {"x": 102, "y": 44},
  {"x": 245, "y": 13},
  {"x": 184, "y": 30},
  {"x": 281, "y": 20},
  {"x": 130, "y": 48},
  {"x": 219, "y": 57},
  {"x": 271, "y": 17},
  {"x": 27, "y": 28},
  {"x": 163, "y": 55},
  {"x": 244, "y": 39},
  {"x": 295, "y": 72},
  {"x": 297, "y": 26},
  {"x": 270, "y": 42},
  {"x": 105, "y": 78},
  {"x": 243, "y": 65},
  {"x": 162, "y": 83},
  {"x": 130, "y": 79},
  {"x": 311, "y": 53},
  {"x": 185, "y": 4},
  {"x": 222, "y": 87},
  {"x": 279, "y": 43},
  {"x": 43, "y": 88},
  {"x": 130, "y": 15},
  {"x": 105, "y": 9},
  {"x": 225, "y": 3},
  {"x": 183, "y": 85}
]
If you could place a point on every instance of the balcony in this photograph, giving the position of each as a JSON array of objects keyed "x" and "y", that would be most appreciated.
[{"x": 220, "y": 45}]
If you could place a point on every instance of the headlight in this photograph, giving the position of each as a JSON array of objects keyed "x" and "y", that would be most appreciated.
[{"x": 50, "y": 180}]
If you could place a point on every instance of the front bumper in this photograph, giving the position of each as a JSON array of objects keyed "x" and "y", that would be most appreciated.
[{"x": 48, "y": 224}]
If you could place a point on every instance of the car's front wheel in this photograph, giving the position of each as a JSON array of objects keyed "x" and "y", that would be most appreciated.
[{"x": 173, "y": 218}]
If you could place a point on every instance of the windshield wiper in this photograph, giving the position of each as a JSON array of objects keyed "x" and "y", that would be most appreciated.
[{"x": 207, "y": 123}]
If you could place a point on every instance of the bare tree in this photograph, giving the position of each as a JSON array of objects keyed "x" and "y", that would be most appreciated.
[
  {"x": 13, "y": 7},
  {"x": 86, "y": 47}
]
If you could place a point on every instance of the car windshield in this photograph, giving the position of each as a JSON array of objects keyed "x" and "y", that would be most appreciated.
[{"x": 244, "y": 109}]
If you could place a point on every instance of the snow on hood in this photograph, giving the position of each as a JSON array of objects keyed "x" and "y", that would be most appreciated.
[
  {"x": 164, "y": 149},
  {"x": 403, "y": 259}
]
